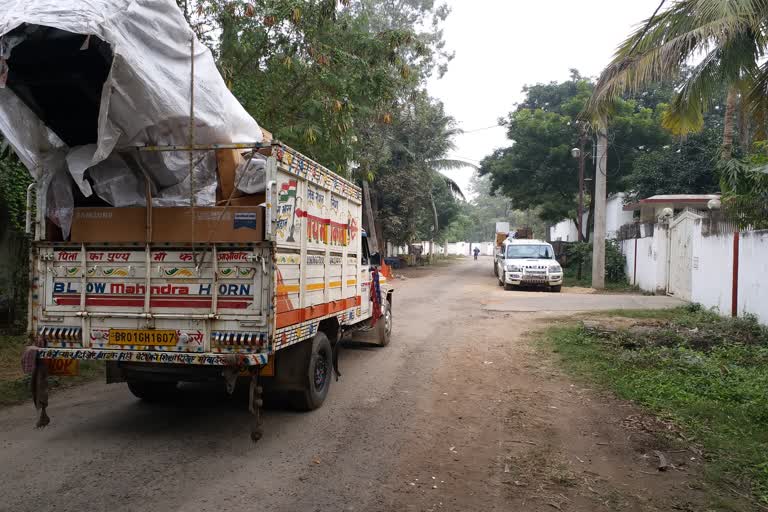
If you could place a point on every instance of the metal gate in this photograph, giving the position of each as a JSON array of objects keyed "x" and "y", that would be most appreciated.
[{"x": 680, "y": 256}]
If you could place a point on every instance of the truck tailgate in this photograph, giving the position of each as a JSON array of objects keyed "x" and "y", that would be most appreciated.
[{"x": 158, "y": 299}]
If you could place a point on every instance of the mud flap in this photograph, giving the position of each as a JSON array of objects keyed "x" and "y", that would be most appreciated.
[
  {"x": 40, "y": 392},
  {"x": 230, "y": 374},
  {"x": 335, "y": 358}
]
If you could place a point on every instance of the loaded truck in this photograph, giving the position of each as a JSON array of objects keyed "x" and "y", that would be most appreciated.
[
  {"x": 503, "y": 233},
  {"x": 174, "y": 245}
]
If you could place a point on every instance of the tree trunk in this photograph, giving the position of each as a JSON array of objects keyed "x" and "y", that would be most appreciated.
[
  {"x": 728, "y": 123},
  {"x": 579, "y": 228},
  {"x": 373, "y": 239},
  {"x": 434, "y": 232},
  {"x": 745, "y": 128},
  {"x": 378, "y": 226}
]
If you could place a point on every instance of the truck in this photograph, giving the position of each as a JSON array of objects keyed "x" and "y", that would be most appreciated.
[
  {"x": 269, "y": 299},
  {"x": 174, "y": 245},
  {"x": 503, "y": 233}
]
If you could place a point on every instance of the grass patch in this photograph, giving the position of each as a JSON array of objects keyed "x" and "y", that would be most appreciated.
[
  {"x": 15, "y": 386},
  {"x": 706, "y": 373}
]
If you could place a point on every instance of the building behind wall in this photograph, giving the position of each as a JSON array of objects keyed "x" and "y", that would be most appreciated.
[{"x": 616, "y": 216}]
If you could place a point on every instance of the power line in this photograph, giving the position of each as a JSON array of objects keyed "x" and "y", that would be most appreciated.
[
  {"x": 459, "y": 157},
  {"x": 482, "y": 129}
]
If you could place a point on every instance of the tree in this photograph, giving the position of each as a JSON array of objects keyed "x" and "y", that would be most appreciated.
[
  {"x": 688, "y": 167},
  {"x": 744, "y": 184},
  {"x": 323, "y": 75},
  {"x": 414, "y": 200},
  {"x": 476, "y": 219},
  {"x": 340, "y": 81},
  {"x": 538, "y": 170},
  {"x": 727, "y": 36},
  {"x": 14, "y": 255}
]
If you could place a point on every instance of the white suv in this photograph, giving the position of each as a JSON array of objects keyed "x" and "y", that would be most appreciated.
[{"x": 528, "y": 263}]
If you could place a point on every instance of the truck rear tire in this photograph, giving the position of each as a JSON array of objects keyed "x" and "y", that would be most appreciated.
[
  {"x": 153, "y": 391},
  {"x": 384, "y": 325},
  {"x": 319, "y": 373}
]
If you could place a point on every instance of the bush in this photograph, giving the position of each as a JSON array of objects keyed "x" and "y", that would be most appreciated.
[
  {"x": 581, "y": 253},
  {"x": 615, "y": 262}
]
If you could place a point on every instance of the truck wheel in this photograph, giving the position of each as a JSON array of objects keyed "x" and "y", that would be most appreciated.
[
  {"x": 317, "y": 380},
  {"x": 508, "y": 286},
  {"x": 152, "y": 391},
  {"x": 502, "y": 278},
  {"x": 495, "y": 270},
  {"x": 555, "y": 289},
  {"x": 384, "y": 324}
]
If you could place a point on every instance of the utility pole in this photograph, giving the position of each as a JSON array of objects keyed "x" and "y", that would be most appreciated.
[
  {"x": 598, "y": 237},
  {"x": 582, "y": 142}
]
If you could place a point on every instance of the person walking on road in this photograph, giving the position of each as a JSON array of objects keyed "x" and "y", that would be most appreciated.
[{"x": 476, "y": 251}]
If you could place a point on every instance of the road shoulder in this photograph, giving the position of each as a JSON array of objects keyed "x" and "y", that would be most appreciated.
[{"x": 504, "y": 428}]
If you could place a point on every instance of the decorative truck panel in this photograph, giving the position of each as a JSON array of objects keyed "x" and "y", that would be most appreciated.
[
  {"x": 317, "y": 231},
  {"x": 118, "y": 279}
]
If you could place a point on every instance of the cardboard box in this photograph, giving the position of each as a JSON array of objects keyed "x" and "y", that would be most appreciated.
[
  {"x": 249, "y": 200},
  {"x": 210, "y": 224},
  {"x": 109, "y": 225},
  {"x": 227, "y": 161}
]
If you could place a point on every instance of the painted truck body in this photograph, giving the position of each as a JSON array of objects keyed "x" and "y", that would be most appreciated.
[{"x": 165, "y": 312}]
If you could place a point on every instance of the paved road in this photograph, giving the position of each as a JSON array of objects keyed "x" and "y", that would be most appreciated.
[{"x": 435, "y": 403}]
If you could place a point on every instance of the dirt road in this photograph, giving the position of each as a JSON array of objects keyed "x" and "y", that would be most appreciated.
[{"x": 460, "y": 413}]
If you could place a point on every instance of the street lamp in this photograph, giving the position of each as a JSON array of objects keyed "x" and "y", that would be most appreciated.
[{"x": 579, "y": 153}]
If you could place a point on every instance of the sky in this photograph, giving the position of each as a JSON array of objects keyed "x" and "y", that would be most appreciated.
[{"x": 502, "y": 45}]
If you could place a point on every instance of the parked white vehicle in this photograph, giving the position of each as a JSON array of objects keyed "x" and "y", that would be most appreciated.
[{"x": 528, "y": 263}]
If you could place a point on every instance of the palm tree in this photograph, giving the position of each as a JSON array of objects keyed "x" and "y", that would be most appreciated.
[
  {"x": 445, "y": 164},
  {"x": 728, "y": 35}
]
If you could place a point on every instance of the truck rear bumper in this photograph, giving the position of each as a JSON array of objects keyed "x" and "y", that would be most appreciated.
[{"x": 149, "y": 356}]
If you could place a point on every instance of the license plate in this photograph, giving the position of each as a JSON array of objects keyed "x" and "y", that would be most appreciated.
[
  {"x": 142, "y": 337},
  {"x": 63, "y": 367}
]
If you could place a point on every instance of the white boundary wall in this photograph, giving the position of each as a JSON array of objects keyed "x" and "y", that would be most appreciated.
[
  {"x": 454, "y": 248},
  {"x": 753, "y": 274},
  {"x": 711, "y": 268},
  {"x": 650, "y": 274}
]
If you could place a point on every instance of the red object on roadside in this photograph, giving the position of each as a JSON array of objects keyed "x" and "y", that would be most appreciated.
[
  {"x": 735, "y": 278},
  {"x": 375, "y": 296}
]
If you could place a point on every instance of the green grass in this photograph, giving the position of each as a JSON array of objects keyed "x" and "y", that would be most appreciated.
[
  {"x": 14, "y": 386},
  {"x": 706, "y": 373}
]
